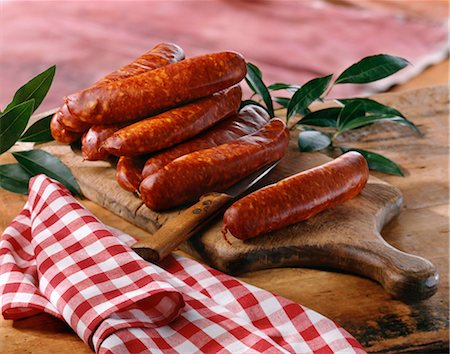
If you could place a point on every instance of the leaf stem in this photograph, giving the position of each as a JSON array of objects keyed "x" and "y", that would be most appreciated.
[{"x": 335, "y": 135}]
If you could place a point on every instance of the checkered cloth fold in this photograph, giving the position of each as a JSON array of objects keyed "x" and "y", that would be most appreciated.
[{"x": 56, "y": 257}]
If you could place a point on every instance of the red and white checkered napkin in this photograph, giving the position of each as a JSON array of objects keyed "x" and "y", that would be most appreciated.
[{"x": 56, "y": 257}]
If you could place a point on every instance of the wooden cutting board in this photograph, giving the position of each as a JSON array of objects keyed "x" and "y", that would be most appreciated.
[{"x": 345, "y": 238}]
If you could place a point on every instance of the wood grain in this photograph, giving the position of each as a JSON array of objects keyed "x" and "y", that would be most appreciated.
[{"x": 379, "y": 322}]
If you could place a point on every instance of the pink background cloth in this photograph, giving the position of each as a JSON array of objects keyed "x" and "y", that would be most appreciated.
[{"x": 291, "y": 41}]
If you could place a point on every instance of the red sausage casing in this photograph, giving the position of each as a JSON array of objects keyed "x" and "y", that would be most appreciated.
[
  {"x": 93, "y": 139},
  {"x": 250, "y": 119},
  {"x": 161, "y": 55},
  {"x": 128, "y": 172},
  {"x": 60, "y": 133},
  {"x": 173, "y": 126},
  {"x": 190, "y": 176},
  {"x": 298, "y": 197},
  {"x": 71, "y": 122},
  {"x": 142, "y": 95}
]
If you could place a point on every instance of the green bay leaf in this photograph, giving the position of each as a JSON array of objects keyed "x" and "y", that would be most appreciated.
[
  {"x": 372, "y": 68},
  {"x": 367, "y": 120},
  {"x": 40, "y": 161},
  {"x": 255, "y": 82},
  {"x": 39, "y": 132},
  {"x": 378, "y": 162},
  {"x": 13, "y": 122},
  {"x": 282, "y": 86},
  {"x": 282, "y": 101},
  {"x": 307, "y": 94},
  {"x": 376, "y": 109},
  {"x": 326, "y": 117},
  {"x": 35, "y": 89},
  {"x": 14, "y": 178},
  {"x": 352, "y": 110}
]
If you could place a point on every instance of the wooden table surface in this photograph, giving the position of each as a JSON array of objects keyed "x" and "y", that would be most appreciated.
[{"x": 380, "y": 323}]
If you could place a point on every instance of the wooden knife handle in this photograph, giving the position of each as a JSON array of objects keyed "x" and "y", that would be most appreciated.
[{"x": 157, "y": 246}]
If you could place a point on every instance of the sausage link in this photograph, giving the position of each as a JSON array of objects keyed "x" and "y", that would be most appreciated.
[
  {"x": 190, "y": 176},
  {"x": 297, "y": 197},
  {"x": 152, "y": 91},
  {"x": 128, "y": 172},
  {"x": 250, "y": 119},
  {"x": 174, "y": 126},
  {"x": 161, "y": 55},
  {"x": 60, "y": 133},
  {"x": 93, "y": 139},
  {"x": 71, "y": 122}
]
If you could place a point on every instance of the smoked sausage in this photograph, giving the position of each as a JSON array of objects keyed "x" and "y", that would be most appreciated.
[
  {"x": 60, "y": 133},
  {"x": 161, "y": 55},
  {"x": 173, "y": 126},
  {"x": 71, "y": 122},
  {"x": 297, "y": 197},
  {"x": 128, "y": 172},
  {"x": 190, "y": 176},
  {"x": 151, "y": 92},
  {"x": 93, "y": 139},
  {"x": 250, "y": 119}
]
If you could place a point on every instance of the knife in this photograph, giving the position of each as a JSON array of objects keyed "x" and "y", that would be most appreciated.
[{"x": 156, "y": 247}]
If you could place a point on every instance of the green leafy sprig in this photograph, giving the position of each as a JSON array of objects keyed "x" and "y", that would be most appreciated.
[
  {"x": 351, "y": 113},
  {"x": 13, "y": 121}
]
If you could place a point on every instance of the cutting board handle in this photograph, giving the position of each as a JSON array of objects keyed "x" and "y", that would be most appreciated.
[{"x": 404, "y": 276}]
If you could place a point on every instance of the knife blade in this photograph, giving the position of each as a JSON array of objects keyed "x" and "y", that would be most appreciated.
[{"x": 156, "y": 247}]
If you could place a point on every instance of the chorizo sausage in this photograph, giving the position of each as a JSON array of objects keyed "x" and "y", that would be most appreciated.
[
  {"x": 93, "y": 139},
  {"x": 153, "y": 91},
  {"x": 161, "y": 55},
  {"x": 128, "y": 172},
  {"x": 297, "y": 197},
  {"x": 250, "y": 119},
  {"x": 60, "y": 133},
  {"x": 173, "y": 126},
  {"x": 190, "y": 176},
  {"x": 71, "y": 122}
]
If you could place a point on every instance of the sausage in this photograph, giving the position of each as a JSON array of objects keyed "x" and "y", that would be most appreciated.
[
  {"x": 60, "y": 133},
  {"x": 161, "y": 55},
  {"x": 128, "y": 172},
  {"x": 297, "y": 197},
  {"x": 174, "y": 126},
  {"x": 190, "y": 176},
  {"x": 153, "y": 91},
  {"x": 250, "y": 119},
  {"x": 93, "y": 139},
  {"x": 71, "y": 122}
]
